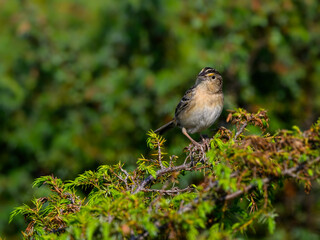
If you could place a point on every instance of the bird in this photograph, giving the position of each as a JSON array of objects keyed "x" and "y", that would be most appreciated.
[{"x": 200, "y": 106}]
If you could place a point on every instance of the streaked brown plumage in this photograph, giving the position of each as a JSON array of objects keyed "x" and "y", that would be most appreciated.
[{"x": 200, "y": 106}]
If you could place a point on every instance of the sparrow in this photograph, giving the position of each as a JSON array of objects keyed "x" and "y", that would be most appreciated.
[{"x": 200, "y": 106}]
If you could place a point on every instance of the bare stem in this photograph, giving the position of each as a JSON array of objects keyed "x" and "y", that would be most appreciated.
[
  {"x": 160, "y": 156},
  {"x": 172, "y": 191},
  {"x": 161, "y": 172},
  {"x": 240, "y": 130}
]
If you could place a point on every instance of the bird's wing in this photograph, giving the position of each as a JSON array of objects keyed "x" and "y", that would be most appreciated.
[{"x": 184, "y": 102}]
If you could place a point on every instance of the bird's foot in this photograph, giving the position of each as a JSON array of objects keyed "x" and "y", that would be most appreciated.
[
  {"x": 197, "y": 144},
  {"x": 197, "y": 152},
  {"x": 205, "y": 141},
  {"x": 202, "y": 148}
]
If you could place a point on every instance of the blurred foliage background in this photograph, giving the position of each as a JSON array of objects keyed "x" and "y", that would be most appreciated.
[{"x": 82, "y": 81}]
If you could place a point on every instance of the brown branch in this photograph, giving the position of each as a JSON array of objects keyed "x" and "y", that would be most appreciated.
[
  {"x": 160, "y": 156},
  {"x": 150, "y": 178},
  {"x": 240, "y": 130},
  {"x": 121, "y": 178},
  {"x": 171, "y": 160},
  {"x": 172, "y": 191},
  {"x": 125, "y": 179}
]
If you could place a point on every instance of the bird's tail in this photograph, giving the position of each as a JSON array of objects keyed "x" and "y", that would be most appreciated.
[{"x": 166, "y": 127}]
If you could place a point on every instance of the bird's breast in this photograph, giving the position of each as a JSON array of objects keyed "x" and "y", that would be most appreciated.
[{"x": 203, "y": 111}]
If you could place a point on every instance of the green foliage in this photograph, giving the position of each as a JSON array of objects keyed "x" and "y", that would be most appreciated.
[
  {"x": 241, "y": 173},
  {"x": 82, "y": 81}
]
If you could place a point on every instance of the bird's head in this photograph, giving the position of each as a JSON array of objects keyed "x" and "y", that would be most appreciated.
[{"x": 211, "y": 75}]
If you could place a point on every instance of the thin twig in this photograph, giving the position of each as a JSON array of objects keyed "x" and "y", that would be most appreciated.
[
  {"x": 127, "y": 176},
  {"x": 123, "y": 180},
  {"x": 172, "y": 191},
  {"x": 240, "y": 130},
  {"x": 161, "y": 172},
  {"x": 160, "y": 156}
]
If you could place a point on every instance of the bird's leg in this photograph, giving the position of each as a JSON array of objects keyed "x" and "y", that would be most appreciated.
[{"x": 184, "y": 131}]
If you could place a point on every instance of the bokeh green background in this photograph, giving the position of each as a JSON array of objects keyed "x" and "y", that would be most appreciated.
[{"x": 81, "y": 82}]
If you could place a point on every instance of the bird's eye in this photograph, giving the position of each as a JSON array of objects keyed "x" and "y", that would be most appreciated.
[{"x": 213, "y": 77}]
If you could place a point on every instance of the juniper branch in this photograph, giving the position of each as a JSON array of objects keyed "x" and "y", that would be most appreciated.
[
  {"x": 240, "y": 130},
  {"x": 285, "y": 173},
  {"x": 150, "y": 178},
  {"x": 172, "y": 191}
]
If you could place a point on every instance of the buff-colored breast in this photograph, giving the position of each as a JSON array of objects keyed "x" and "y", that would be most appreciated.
[{"x": 203, "y": 110}]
